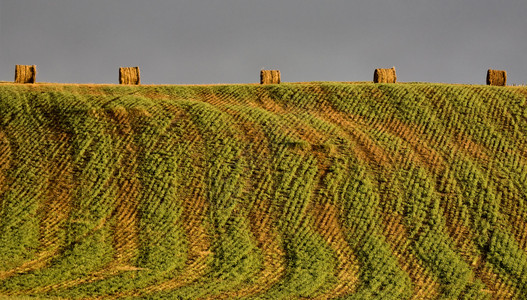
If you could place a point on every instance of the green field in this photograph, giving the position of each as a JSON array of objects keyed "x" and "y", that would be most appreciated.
[{"x": 292, "y": 191}]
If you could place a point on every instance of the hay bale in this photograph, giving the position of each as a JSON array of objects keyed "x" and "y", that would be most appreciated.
[
  {"x": 269, "y": 77},
  {"x": 496, "y": 77},
  {"x": 129, "y": 76},
  {"x": 25, "y": 74},
  {"x": 384, "y": 76}
]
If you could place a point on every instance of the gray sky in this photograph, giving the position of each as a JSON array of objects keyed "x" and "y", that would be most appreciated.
[{"x": 229, "y": 41}]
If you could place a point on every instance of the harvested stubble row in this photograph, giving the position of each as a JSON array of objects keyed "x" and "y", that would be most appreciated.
[{"x": 268, "y": 192}]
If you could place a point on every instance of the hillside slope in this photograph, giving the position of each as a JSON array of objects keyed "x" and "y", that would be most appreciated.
[{"x": 320, "y": 190}]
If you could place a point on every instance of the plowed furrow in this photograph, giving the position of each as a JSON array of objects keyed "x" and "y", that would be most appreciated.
[
  {"x": 424, "y": 285},
  {"x": 194, "y": 203},
  {"x": 5, "y": 158},
  {"x": 54, "y": 212},
  {"x": 467, "y": 145},
  {"x": 260, "y": 215},
  {"x": 95, "y": 276},
  {"x": 520, "y": 229},
  {"x": 496, "y": 287},
  {"x": 126, "y": 240},
  {"x": 266, "y": 102},
  {"x": 365, "y": 147},
  {"x": 426, "y": 155},
  {"x": 327, "y": 225},
  {"x": 274, "y": 261},
  {"x": 125, "y": 234}
]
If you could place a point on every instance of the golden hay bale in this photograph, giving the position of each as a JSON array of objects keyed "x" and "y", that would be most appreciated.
[
  {"x": 496, "y": 77},
  {"x": 269, "y": 76},
  {"x": 384, "y": 76},
  {"x": 129, "y": 76},
  {"x": 25, "y": 74}
]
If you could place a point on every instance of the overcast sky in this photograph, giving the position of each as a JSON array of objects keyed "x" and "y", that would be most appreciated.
[{"x": 229, "y": 41}]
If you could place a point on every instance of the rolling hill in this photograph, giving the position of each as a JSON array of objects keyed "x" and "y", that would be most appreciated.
[{"x": 315, "y": 190}]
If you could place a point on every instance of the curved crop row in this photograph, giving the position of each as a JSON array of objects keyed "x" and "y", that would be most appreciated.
[{"x": 321, "y": 190}]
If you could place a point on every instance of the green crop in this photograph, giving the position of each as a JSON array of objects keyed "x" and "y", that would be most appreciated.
[{"x": 290, "y": 191}]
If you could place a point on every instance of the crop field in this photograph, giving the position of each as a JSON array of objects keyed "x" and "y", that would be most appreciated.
[{"x": 292, "y": 191}]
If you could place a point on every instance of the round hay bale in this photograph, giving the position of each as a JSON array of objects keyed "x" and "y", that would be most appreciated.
[
  {"x": 385, "y": 76},
  {"x": 496, "y": 77},
  {"x": 129, "y": 75},
  {"x": 270, "y": 77},
  {"x": 25, "y": 74}
]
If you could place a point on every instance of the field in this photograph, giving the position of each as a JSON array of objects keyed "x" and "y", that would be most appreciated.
[{"x": 293, "y": 191}]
